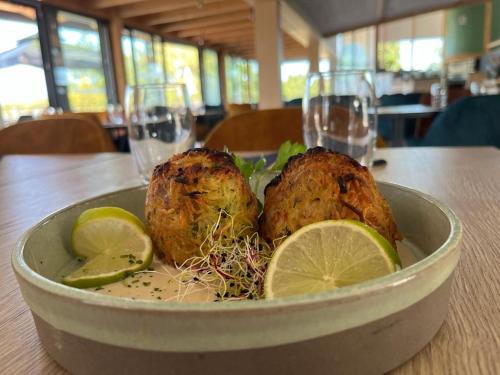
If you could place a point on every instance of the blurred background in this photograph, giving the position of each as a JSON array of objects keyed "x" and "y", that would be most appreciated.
[{"x": 237, "y": 55}]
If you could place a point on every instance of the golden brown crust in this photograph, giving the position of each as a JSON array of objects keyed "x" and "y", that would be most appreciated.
[
  {"x": 186, "y": 196},
  {"x": 324, "y": 185}
]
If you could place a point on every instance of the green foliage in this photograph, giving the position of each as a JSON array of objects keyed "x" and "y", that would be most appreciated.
[
  {"x": 182, "y": 65},
  {"x": 388, "y": 53},
  {"x": 293, "y": 87}
]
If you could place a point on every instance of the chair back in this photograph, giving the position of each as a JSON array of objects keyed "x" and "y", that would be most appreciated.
[
  {"x": 66, "y": 135},
  {"x": 257, "y": 130},
  {"x": 234, "y": 109},
  {"x": 89, "y": 116},
  {"x": 470, "y": 121}
]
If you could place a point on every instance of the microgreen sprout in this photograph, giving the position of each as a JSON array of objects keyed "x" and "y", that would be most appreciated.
[{"x": 232, "y": 264}]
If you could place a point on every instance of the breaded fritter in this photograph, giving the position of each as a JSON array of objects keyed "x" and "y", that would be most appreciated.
[
  {"x": 188, "y": 194},
  {"x": 324, "y": 185}
]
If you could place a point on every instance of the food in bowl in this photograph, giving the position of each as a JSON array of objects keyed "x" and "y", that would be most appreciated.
[
  {"x": 202, "y": 217},
  {"x": 324, "y": 185},
  {"x": 186, "y": 197}
]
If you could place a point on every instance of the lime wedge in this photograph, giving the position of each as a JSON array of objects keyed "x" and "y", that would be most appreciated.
[
  {"x": 327, "y": 255},
  {"x": 114, "y": 244}
]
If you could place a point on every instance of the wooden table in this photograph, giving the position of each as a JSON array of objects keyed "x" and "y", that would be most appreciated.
[
  {"x": 468, "y": 180},
  {"x": 399, "y": 113}
]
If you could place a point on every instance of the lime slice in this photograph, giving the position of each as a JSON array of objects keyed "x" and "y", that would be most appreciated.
[
  {"x": 327, "y": 255},
  {"x": 114, "y": 243}
]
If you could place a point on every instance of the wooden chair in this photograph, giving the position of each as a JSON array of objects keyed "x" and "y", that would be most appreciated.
[
  {"x": 89, "y": 116},
  {"x": 68, "y": 135},
  {"x": 234, "y": 109},
  {"x": 257, "y": 130}
]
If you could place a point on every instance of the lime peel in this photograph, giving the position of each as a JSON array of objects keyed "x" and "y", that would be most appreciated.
[
  {"x": 114, "y": 243},
  {"x": 327, "y": 255}
]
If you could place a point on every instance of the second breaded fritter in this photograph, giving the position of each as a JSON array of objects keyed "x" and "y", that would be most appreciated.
[
  {"x": 190, "y": 194},
  {"x": 324, "y": 185}
]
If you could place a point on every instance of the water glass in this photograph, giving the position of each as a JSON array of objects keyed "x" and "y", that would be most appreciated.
[
  {"x": 340, "y": 114},
  {"x": 160, "y": 124}
]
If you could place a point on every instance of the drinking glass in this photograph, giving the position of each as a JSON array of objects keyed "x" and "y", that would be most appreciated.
[
  {"x": 160, "y": 124},
  {"x": 340, "y": 114}
]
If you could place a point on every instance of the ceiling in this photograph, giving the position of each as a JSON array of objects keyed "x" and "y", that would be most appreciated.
[
  {"x": 223, "y": 24},
  {"x": 330, "y": 17}
]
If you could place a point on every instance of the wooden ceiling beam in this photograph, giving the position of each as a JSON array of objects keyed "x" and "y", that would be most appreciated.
[
  {"x": 102, "y": 4},
  {"x": 219, "y": 8},
  {"x": 237, "y": 27},
  {"x": 208, "y": 21},
  {"x": 229, "y": 39},
  {"x": 149, "y": 7}
]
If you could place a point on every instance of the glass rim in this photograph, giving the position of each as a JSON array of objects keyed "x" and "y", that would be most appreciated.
[{"x": 342, "y": 72}]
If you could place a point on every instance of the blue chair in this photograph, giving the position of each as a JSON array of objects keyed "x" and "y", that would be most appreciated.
[
  {"x": 469, "y": 121},
  {"x": 294, "y": 103},
  {"x": 385, "y": 127}
]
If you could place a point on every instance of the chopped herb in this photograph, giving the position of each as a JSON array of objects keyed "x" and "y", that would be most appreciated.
[{"x": 146, "y": 283}]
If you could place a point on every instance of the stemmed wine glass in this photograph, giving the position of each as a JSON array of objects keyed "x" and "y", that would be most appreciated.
[
  {"x": 339, "y": 113},
  {"x": 160, "y": 124}
]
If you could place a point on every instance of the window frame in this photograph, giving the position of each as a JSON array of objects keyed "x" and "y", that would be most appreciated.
[{"x": 51, "y": 50}]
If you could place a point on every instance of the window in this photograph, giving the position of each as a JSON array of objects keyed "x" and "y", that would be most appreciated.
[
  {"x": 158, "y": 66},
  {"x": 148, "y": 66},
  {"x": 211, "y": 77},
  {"x": 356, "y": 49},
  {"x": 412, "y": 44},
  {"x": 182, "y": 65},
  {"x": 82, "y": 71},
  {"x": 253, "y": 76},
  {"x": 23, "y": 88},
  {"x": 293, "y": 79},
  {"x": 237, "y": 79},
  {"x": 128, "y": 58},
  {"x": 142, "y": 57}
]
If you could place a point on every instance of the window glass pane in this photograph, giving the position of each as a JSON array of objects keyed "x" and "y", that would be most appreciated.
[
  {"x": 237, "y": 80},
  {"x": 20, "y": 64},
  {"x": 128, "y": 58},
  {"x": 82, "y": 71},
  {"x": 253, "y": 76},
  {"x": 412, "y": 44},
  {"x": 356, "y": 49},
  {"x": 143, "y": 58},
  {"x": 324, "y": 65},
  {"x": 211, "y": 77},
  {"x": 182, "y": 65},
  {"x": 158, "y": 62},
  {"x": 427, "y": 55},
  {"x": 228, "y": 70},
  {"x": 242, "y": 74},
  {"x": 293, "y": 79}
]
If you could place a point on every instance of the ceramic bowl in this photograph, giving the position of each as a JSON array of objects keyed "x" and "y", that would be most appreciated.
[{"x": 367, "y": 328}]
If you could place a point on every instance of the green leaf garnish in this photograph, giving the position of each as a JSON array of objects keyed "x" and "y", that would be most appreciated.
[
  {"x": 286, "y": 151},
  {"x": 246, "y": 167}
]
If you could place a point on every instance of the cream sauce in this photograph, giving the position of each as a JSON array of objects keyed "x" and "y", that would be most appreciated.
[{"x": 161, "y": 283}]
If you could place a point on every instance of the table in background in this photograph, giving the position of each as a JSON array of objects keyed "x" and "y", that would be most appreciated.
[
  {"x": 399, "y": 113},
  {"x": 467, "y": 179}
]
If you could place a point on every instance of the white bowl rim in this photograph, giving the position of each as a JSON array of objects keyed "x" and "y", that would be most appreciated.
[{"x": 340, "y": 295}]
